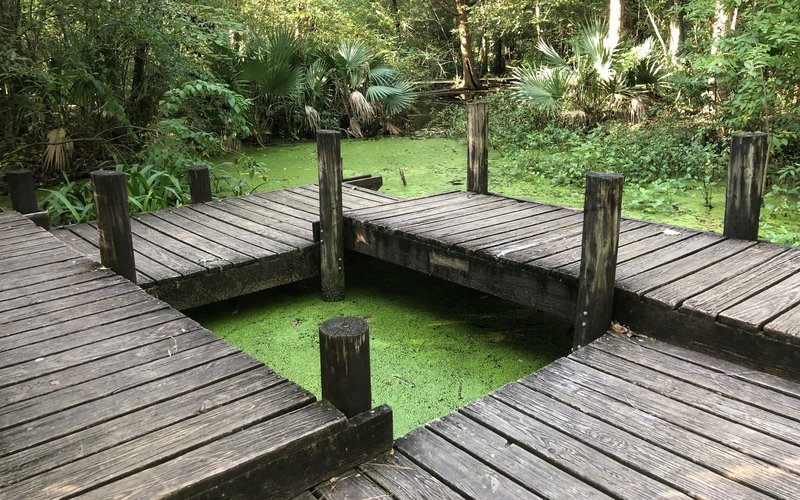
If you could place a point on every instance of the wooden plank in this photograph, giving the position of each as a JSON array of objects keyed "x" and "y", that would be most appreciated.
[
  {"x": 507, "y": 236},
  {"x": 210, "y": 228},
  {"x": 412, "y": 211},
  {"x": 257, "y": 213},
  {"x": 294, "y": 200},
  {"x": 458, "y": 469},
  {"x": 44, "y": 274},
  {"x": 369, "y": 193},
  {"x": 280, "y": 212},
  {"x": 717, "y": 457},
  {"x": 729, "y": 368},
  {"x": 118, "y": 322},
  {"x": 273, "y": 200},
  {"x": 732, "y": 434},
  {"x": 664, "y": 255},
  {"x": 73, "y": 297},
  {"x": 124, "y": 401},
  {"x": 786, "y": 324},
  {"x": 405, "y": 206},
  {"x": 21, "y": 231},
  {"x": 25, "y": 262},
  {"x": 312, "y": 193},
  {"x": 351, "y": 485},
  {"x": 59, "y": 286},
  {"x": 57, "y": 453},
  {"x": 756, "y": 311},
  {"x": 582, "y": 461},
  {"x": 507, "y": 457},
  {"x": 174, "y": 244},
  {"x": 296, "y": 450},
  {"x": 245, "y": 219},
  {"x": 128, "y": 376},
  {"x": 405, "y": 479},
  {"x": 717, "y": 382},
  {"x": 97, "y": 304},
  {"x": 445, "y": 214},
  {"x": 503, "y": 215},
  {"x": 698, "y": 397},
  {"x": 153, "y": 261},
  {"x": 642, "y": 283},
  {"x": 673, "y": 295},
  {"x": 627, "y": 448},
  {"x": 199, "y": 237},
  {"x": 85, "y": 474},
  {"x": 31, "y": 383},
  {"x": 743, "y": 285},
  {"x": 43, "y": 243}
]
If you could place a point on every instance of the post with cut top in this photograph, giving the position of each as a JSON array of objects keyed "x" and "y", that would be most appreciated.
[
  {"x": 601, "y": 219},
  {"x": 113, "y": 222},
  {"x": 747, "y": 175},
  {"x": 344, "y": 364},
  {"x": 199, "y": 184},
  {"x": 477, "y": 148},
  {"x": 22, "y": 189},
  {"x": 329, "y": 162}
]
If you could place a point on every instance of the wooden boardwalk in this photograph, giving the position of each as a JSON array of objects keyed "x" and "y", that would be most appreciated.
[
  {"x": 204, "y": 253},
  {"x": 621, "y": 418},
  {"x": 107, "y": 392},
  {"x": 694, "y": 287}
]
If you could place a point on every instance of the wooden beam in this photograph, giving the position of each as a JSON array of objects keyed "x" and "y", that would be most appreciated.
[
  {"x": 344, "y": 364},
  {"x": 113, "y": 222},
  {"x": 747, "y": 173},
  {"x": 601, "y": 221},
  {"x": 477, "y": 148},
  {"x": 329, "y": 162}
]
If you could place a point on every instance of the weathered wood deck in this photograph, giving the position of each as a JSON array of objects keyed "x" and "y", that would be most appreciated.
[
  {"x": 107, "y": 392},
  {"x": 621, "y": 418},
  {"x": 690, "y": 286},
  {"x": 204, "y": 253}
]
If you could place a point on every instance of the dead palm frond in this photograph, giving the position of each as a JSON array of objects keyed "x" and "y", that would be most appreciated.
[
  {"x": 312, "y": 118},
  {"x": 57, "y": 153},
  {"x": 362, "y": 109}
]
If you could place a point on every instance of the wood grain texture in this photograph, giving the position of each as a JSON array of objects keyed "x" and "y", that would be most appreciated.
[{"x": 405, "y": 479}]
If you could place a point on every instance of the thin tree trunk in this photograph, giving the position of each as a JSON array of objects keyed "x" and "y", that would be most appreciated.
[
  {"x": 499, "y": 60},
  {"x": 467, "y": 60},
  {"x": 614, "y": 22}
]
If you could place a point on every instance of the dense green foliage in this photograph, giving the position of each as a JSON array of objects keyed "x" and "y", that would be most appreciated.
[{"x": 652, "y": 90}]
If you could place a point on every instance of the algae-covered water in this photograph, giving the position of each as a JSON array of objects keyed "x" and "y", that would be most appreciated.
[{"x": 434, "y": 346}]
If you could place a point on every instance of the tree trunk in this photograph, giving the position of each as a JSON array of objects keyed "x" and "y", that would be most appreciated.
[
  {"x": 138, "y": 114},
  {"x": 614, "y": 22},
  {"x": 467, "y": 59},
  {"x": 499, "y": 61},
  {"x": 10, "y": 15}
]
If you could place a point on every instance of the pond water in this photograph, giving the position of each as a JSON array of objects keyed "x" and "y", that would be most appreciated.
[{"x": 434, "y": 346}]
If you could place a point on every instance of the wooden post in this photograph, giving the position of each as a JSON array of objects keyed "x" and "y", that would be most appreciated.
[
  {"x": 747, "y": 173},
  {"x": 477, "y": 148},
  {"x": 113, "y": 222},
  {"x": 329, "y": 161},
  {"x": 601, "y": 219},
  {"x": 344, "y": 364},
  {"x": 22, "y": 190},
  {"x": 199, "y": 184}
]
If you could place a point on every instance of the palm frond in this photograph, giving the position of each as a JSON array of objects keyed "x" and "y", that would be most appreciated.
[
  {"x": 362, "y": 109},
  {"x": 392, "y": 99},
  {"x": 550, "y": 55},
  {"x": 545, "y": 88}
]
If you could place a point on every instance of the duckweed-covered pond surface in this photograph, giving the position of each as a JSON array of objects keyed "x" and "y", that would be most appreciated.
[{"x": 435, "y": 346}]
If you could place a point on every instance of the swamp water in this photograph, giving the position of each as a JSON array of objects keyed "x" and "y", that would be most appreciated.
[{"x": 435, "y": 346}]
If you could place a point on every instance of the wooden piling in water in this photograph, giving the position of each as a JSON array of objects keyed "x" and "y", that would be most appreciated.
[
  {"x": 344, "y": 364},
  {"x": 477, "y": 148},
  {"x": 113, "y": 222},
  {"x": 329, "y": 162},
  {"x": 747, "y": 173},
  {"x": 199, "y": 184},
  {"x": 601, "y": 222},
  {"x": 22, "y": 189}
]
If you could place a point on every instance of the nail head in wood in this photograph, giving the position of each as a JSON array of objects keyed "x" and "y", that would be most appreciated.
[
  {"x": 601, "y": 221},
  {"x": 113, "y": 222},
  {"x": 344, "y": 364},
  {"x": 199, "y": 184},
  {"x": 329, "y": 163},
  {"x": 747, "y": 174},
  {"x": 22, "y": 189}
]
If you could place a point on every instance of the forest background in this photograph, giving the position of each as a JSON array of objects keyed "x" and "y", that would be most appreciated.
[{"x": 652, "y": 89}]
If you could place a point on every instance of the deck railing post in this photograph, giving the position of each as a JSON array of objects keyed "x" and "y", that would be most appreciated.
[
  {"x": 477, "y": 148},
  {"x": 601, "y": 220},
  {"x": 344, "y": 364},
  {"x": 22, "y": 189},
  {"x": 113, "y": 222},
  {"x": 199, "y": 184},
  {"x": 329, "y": 162},
  {"x": 747, "y": 173}
]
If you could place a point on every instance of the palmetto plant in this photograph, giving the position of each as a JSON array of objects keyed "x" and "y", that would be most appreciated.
[{"x": 599, "y": 78}]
